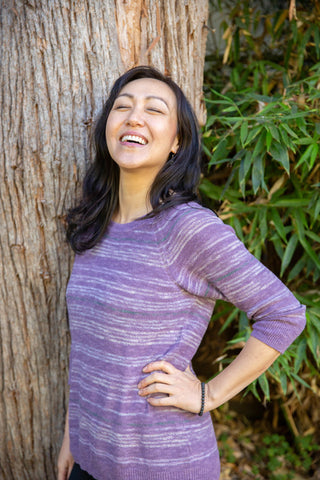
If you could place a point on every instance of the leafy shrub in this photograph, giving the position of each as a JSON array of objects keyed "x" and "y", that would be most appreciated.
[
  {"x": 276, "y": 453},
  {"x": 262, "y": 147}
]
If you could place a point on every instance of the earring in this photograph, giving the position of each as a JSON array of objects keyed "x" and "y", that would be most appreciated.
[{"x": 171, "y": 156}]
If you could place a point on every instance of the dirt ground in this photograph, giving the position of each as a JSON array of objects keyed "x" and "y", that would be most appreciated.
[{"x": 252, "y": 449}]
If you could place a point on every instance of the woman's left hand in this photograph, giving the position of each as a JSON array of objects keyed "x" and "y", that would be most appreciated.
[{"x": 183, "y": 388}]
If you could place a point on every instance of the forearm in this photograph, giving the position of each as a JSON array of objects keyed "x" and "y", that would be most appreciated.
[
  {"x": 66, "y": 426},
  {"x": 252, "y": 361},
  {"x": 65, "y": 460}
]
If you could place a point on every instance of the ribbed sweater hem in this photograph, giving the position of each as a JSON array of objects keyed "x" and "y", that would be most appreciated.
[
  {"x": 195, "y": 474},
  {"x": 180, "y": 474}
]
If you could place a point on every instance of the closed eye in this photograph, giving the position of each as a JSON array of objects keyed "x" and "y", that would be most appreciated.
[{"x": 156, "y": 110}]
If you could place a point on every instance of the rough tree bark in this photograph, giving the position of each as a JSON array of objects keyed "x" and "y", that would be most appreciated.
[{"x": 58, "y": 60}]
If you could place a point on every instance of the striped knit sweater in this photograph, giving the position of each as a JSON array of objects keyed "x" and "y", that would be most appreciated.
[{"x": 146, "y": 292}]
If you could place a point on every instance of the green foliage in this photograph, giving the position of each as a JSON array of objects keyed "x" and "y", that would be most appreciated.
[
  {"x": 225, "y": 449},
  {"x": 267, "y": 456},
  {"x": 276, "y": 453},
  {"x": 262, "y": 143}
]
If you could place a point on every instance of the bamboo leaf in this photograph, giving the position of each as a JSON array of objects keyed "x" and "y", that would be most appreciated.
[
  {"x": 305, "y": 156},
  {"x": 300, "y": 380},
  {"x": 301, "y": 354},
  {"x": 253, "y": 227},
  {"x": 211, "y": 120},
  {"x": 290, "y": 202},
  {"x": 286, "y": 127},
  {"x": 214, "y": 191},
  {"x": 284, "y": 137},
  {"x": 294, "y": 272},
  {"x": 257, "y": 251},
  {"x": 316, "y": 210},
  {"x": 227, "y": 307},
  {"x": 252, "y": 135},
  {"x": 277, "y": 246},
  {"x": 243, "y": 132},
  {"x": 298, "y": 216},
  {"x": 264, "y": 384},
  {"x": 268, "y": 140},
  {"x": 220, "y": 152},
  {"x": 301, "y": 123},
  {"x": 274, "y": 132},
  {"x": 289, "y": 251},
  {"x": 306, "y": 245},
  {"x": 313, "y": 342},
  {"x": 306, "y": 37},
  {"x": 313, "y": 236},
  {"x": 314, "y": 317},
  {"x": 286, "y": 140},
  {"x": 314, "y": 154},
  {"x": 237, "y": 227},
  {"x": 243, "y": 322},
  {"x": 229, "y": 320},
  {"x": 282, "y": 18},
  {"x": 275, "y": 370},
  {"x": 257, "y": 174},
  {"x": 245, "y": 165},
  {"x": 206, "y": 150},
  {"x": 305, "y": 141},
  {"x": 294, "y": 386},
  {"x": 253, "y": 389},
  {"x": 280, "y": 153},
  {"x": 220, "y": 95},
  {"x": 262, "y": 98},
  {"x": 284, "y": 382},
  {"x": 230, "y": 109},
  {"x": 278, "y": 223},
  {"x": 260, "y": 145},
  {"x": 263, "y": 223}
]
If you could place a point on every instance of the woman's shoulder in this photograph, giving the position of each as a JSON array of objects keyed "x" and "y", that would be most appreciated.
[
  {"x": 190, "y": 221},
  {"x": 191, "y": 212}
]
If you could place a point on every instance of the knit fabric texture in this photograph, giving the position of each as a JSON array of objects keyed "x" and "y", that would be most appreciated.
[{"x": 146, "y": 292}]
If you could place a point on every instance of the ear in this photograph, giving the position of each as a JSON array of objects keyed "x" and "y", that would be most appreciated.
[{"x": 175, "y": 146}]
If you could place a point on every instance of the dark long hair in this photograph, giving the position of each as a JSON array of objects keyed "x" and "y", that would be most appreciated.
[{"x": 175, "y": 183}]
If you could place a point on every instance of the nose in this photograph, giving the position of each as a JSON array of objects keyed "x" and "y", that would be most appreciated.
[{"x": 135, "y": 117}]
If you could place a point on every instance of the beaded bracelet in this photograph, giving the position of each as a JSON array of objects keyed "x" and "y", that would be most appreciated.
[{"x": 203, "y": 395}]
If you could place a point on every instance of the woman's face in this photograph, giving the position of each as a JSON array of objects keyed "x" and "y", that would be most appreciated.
[{"x": 141, "y": 129}]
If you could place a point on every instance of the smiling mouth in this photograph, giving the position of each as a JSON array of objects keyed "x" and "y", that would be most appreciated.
[{"x": 134, "y": 139}]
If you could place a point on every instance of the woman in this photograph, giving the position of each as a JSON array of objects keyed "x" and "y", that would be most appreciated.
[{"x": 151, "y": 263}]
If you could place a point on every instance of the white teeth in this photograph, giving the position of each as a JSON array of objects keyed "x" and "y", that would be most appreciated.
[{"x": 133, "y": 138}]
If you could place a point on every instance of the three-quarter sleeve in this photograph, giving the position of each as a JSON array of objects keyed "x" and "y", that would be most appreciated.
[{"x": 206, "y": 259}]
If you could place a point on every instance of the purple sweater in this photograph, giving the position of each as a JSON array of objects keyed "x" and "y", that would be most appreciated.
[{"x": 145, "y": 293}]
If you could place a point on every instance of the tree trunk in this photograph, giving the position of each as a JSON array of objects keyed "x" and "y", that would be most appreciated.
[{"x": 59, "y": 59}]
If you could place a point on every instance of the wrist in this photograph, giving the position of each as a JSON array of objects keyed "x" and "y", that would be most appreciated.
[
  {"x": 203, "y": 399},
  {"x": 212, "y": 398}
]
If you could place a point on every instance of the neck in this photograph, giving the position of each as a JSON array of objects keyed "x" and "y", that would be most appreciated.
[{"x": 133, "y": 197}]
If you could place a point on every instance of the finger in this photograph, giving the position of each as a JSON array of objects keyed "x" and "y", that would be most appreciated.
[
  {"x": 160, "y": 402},
  {"x": 70, "y": 469},
  {"x": 153, "y": 378},
  {"x": 62, "y": 474},
  {"x": 156, "y": 388},
  {"x": 160, "y": 365}
]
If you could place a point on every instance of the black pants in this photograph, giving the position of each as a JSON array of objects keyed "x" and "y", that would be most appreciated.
[{"x": 78, "y": 474}]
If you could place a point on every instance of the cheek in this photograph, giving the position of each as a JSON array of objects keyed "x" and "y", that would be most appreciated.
[
  {"x": 167, "y": 131},
  {"x": 171, "y": 134},
  {"x": 107, "y": 130},
  {"x": 110, "y": 134},
  {"x": 109, "y": 144},
  {"x": 112, "y": 123}
]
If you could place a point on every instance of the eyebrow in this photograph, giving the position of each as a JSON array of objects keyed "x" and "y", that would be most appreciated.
[{"x": 148, "y": 98}]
